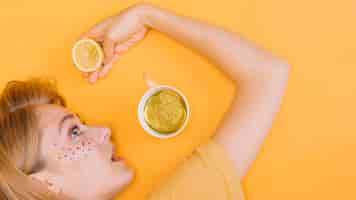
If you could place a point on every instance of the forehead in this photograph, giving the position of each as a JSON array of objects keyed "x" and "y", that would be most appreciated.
[{"x": 50, "y": 115}]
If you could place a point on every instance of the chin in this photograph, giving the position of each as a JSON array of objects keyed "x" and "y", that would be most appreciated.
[
  {"x": 123, "y": 174},
  {"x": 119, "y": 180}
]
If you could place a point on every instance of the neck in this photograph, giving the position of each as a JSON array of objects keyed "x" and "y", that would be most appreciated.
[{"x": 98, "y": 197}]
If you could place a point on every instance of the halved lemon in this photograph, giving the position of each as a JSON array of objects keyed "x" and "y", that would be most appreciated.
[{"x": 87, "y": 55}]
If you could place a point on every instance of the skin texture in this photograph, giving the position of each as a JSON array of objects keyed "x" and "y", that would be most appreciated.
[
  {"x": 77, "y": 157},
  {"x": 261, "y": 77},
  {"x": 79, "y": 151}
]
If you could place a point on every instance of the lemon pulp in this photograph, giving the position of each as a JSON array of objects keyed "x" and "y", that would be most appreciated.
[{"x": 87, "y": 55}]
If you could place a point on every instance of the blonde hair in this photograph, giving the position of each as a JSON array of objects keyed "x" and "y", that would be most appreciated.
[{"x": 20, "y": 137}]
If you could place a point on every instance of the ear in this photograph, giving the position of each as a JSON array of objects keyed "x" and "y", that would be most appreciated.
[{"x": 48, "y": 180}]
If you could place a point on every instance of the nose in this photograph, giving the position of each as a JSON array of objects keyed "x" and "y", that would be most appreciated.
[
  {"x": 105, "y": 136},
  {"x": 101, "y": 134}
]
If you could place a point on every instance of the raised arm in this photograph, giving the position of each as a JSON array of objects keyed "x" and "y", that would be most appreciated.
[{"x": 261, "y": 78}]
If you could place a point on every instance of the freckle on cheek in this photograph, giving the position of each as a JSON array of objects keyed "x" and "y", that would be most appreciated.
[{"x": 77, "y": 152}]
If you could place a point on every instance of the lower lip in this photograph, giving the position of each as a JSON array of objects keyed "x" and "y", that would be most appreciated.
[{"x": 117, "y": 159}]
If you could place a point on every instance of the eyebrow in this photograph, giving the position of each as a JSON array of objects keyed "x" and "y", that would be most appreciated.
[
  {"x": 79, "y": 117},
  {"x": 66, "y": 117}
]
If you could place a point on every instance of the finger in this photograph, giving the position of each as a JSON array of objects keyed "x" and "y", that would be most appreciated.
[
  {"x": 93, "y": 77},
  {"x": 108, "y": 46},
  {"x": 90, "y": 35},
  {"x": 122, "y": 31},
  {"x": 131, "y": 41},
  {"x": 98, "y": 30},
  {"x": 139, "y": 36},
  {"x": 104, "y": 71},
  {"x": 100, "y": 39},
  {"x": 121, "y": 48}
]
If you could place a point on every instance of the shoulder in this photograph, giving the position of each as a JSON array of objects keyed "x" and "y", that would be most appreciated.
[{"x": 206, "y": 174}]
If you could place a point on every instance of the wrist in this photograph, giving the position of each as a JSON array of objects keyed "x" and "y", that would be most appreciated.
[{"x": 147, "y": 13}]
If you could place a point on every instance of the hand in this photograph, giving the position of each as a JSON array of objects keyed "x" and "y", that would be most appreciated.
[{"x": 116, "y": 35}]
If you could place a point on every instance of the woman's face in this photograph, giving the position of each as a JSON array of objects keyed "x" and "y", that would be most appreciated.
[{"x": 79, "y": 159}]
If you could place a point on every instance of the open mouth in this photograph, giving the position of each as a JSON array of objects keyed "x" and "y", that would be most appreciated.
[{"x": 115, "y": 158}]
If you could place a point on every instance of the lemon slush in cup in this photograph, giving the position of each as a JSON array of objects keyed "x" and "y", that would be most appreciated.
[{"x": 163, "y": 111}]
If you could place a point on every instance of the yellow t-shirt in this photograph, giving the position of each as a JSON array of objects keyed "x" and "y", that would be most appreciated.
[{"x": 207, "y": 175}]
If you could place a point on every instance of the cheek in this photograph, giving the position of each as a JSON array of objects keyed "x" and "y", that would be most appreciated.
[{"x": 80, "y": 150}]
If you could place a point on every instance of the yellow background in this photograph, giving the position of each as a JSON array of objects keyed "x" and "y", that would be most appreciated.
[{"x": 310, "y": 153}]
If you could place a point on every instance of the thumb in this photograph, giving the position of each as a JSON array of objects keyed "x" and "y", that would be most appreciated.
[{"x": 109, "y": 47}]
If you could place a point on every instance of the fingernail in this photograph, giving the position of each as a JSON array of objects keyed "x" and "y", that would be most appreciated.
[
  {"x": 102, "y": 74},
  {"x": 91, "y": 81},
  {"x": 106, "y": 61},
  {"x": 105, "y": 70},
  {"x": 93, "y": 78}
]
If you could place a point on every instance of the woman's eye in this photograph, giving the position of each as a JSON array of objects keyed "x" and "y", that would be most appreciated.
[{"x": 75, "y": 131}]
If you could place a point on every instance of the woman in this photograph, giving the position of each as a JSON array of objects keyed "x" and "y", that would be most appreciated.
[{"x": 46, "y": 152}]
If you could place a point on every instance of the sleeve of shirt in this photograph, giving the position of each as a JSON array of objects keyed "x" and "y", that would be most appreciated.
[{"x": 207, "y": 174}]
